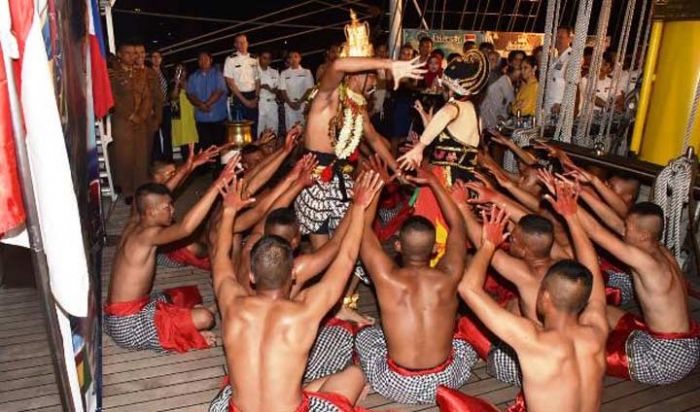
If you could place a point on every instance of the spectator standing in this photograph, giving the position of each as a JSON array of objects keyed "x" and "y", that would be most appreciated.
[
  {"x": 499, "y": 97},
  {"x": 295, "y": 83},
  {"x": 131, "y": 146},
  {"x": 526, "y": 99},
  {"x": 162, "y": 139},
  {"x": 494, "y": 67},
  {"x": 268, "y": 110},
  {"x": 147, "y": 84},
  {"x": 184, "y": 129},
  {"x": 603, "y": 86},
  {"x": 425, "y": 48},
  {"x": 554, "y": 93},
  {"x": 206, "y": 90},
  {"x": 243, "y": 79},
  {"x": 468, "y": 45}
]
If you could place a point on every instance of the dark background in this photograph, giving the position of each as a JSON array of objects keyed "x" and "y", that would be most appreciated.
[{"x": 311, "y": 25}]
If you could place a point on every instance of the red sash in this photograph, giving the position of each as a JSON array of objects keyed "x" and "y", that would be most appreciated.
[
  {"x": 475, "y": 334},
  {"x": 173, "y": 321},
  {"x": 616, "y": 346},
  {"x": 187, "y": 257},
  {"x": 339, "y": 401},
  {"x": 450, "y": 400}
]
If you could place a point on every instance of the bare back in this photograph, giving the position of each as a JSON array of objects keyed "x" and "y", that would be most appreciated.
[
  {"x": 663, "y": 295},
  {"x": 267, "y": 346},
  {"x": 134, "y": 266},
  {"x": 418, "y": 310},
  {"x": 563, "y": 370},
  {"x": 529, "y": 289}
]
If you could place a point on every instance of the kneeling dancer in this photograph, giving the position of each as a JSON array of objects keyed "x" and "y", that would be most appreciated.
[
  {"x": 136, "y": 320},
  {"x": 267, "y": 334},
  {"x": 416, "y": 348}
]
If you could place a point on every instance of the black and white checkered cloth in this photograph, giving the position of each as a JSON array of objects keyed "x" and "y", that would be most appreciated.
[
  {"x": 222, "y": 400},
  {"x": 371, "y": 348},
  {"x": 162, "y": 260},
  {"x": 502, "y": 363},
  {"x": 657, "y": 361},
  {"x": 137, "y": 331},
  {"x": 331, "y": 353},
  {"x": 623, "y": 282},
  {"x": 323, "y": 204}
]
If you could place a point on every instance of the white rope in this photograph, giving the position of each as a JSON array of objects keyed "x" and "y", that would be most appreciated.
[
  {"x": 573, "y": 72},
  {"x": 671, "y": 193},
  {"x": 609, "y": 110},
  {"x": 691, "y": 118},
  {"x": 461, "y": 18},
  {"x": 588, "y": 96},
  {"x": 544, "y": 64},
  {"x": 635, "y": 50},
  {"x": 521, "y": 137}
]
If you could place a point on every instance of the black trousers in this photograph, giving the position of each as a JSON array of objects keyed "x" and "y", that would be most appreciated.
[
  {"x": 210, "y": 134},
  {"x": 239, "y": 111},
  {"x": 163, "y": 139}
]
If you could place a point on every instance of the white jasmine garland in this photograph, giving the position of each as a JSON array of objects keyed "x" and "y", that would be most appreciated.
[{"x": 350, "y": 135}]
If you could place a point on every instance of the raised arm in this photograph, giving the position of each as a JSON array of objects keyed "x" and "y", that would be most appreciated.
[
  {"x": 321, "y": 297},
  {"x": 412, "y": 159},
  {"x": 524, "y": 156},
  {"x": 336, "y": 71},
  {"x": 192, "y": 162},
  {"x": 199, "y": 211},
  {"x": 258, "y": 177},
  {"x": 514, "y": 330},
  {"x": 378, "y": 264},
  {"x": 566, "y": 205},
  {"x": 226, "y": 286},
  {"x": 265, "y": 201}
]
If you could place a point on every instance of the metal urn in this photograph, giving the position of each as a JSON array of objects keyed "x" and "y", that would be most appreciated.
[{"x": 240, "y": 133}]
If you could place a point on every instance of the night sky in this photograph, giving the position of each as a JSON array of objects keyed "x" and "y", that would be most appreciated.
[{"x": 312, "y": 24}]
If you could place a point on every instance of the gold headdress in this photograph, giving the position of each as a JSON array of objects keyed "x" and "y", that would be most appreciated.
[{"x": 357, "y": 39}]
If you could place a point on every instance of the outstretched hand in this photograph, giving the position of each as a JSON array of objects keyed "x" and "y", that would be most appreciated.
[
  {"x": 546, "y": 177},
  {"x": 366, "y": 187},
  {"x": 303, "y": 170},
  {"x": 459, "y": 193},
  {"x": 202, "y": 157},
  {"x": 556, "y": 153},
  {"x": 233, "y": 198},
  {"x": 229, "y": 172},
  {"x": 494, "y": 227},
  {"x": 376, "y": 164},
  {"x": 566, "y": 203},
  {"x": 292, "y": 138},
  {"x": 406, "y": 69},
  {"x": 412, "y": 159},
  {"x": 423, "y": 177}
]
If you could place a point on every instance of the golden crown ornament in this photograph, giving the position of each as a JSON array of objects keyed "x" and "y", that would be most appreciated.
[{"x": 357, "y": 39}]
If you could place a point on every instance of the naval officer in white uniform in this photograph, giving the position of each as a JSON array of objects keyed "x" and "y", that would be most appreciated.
[
  {"x": 243, "y": 79},
  {"x": 295, "y": 83},
  {"x": 268, "y": 111},
  {"x": 554, "y": 94}
]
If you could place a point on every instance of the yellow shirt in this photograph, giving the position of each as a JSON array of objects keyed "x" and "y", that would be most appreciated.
[{"x": 526, "y": 100}]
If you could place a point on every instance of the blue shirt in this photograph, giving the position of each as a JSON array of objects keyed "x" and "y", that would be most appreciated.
[{"x": 202, "y": 84}]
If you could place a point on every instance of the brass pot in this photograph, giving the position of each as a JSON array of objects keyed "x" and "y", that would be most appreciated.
[{"x": 239, "y": 133}]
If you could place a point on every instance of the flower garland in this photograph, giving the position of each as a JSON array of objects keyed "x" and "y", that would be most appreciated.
[{"x": 353, "y": 106}]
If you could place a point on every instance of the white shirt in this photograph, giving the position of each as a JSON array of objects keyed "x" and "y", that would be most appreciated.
[
  {"x": 498, "y": 98},
  {"x": 555, "y": 89},
  {"x": 602, "y": 90},
  {"x": 271, "y": 78},
  {"x": 296, "y": 82},
  {"x": 625, "y": 76},
  {"x": 244, "y": 70}
]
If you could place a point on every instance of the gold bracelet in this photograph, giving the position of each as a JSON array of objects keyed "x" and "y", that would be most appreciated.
[{"x": 350, "y": 302}]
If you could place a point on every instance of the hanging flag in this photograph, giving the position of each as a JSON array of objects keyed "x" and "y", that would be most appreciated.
[
  {"x": 11, "y": 205},
  {"x": 57, "y": 206},
  {"x": 101, "y": 88}
]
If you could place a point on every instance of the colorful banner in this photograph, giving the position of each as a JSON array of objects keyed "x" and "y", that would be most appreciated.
[
  {"x": 449, "y": 41},
  {"x": 505, "y": 42}
]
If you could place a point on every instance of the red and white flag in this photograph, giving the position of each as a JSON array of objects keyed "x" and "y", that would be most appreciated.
[
  {"x": 11, "y": 205},
  {"x": 101, "y": 87},
  {"x": 48, "y": 159}
]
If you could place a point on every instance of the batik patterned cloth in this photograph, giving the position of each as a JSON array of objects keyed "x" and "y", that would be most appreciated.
[
  {"x": 403, "y": 386},
  {"x": 502, "y": 364},
  {"x": 312, "y": 402},
  {"x": 137, "y": 331},
  {"x": 332, "y": 350}
]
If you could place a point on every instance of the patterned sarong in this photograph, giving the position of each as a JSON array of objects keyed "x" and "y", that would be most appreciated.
[
  {"x": 634, "y": 352},
  {"x": 409, "y": 386},
  {"x": 161, "y": 322},
  {"x": 502, "y": 363},
  {"x": 332, "y": 350}
]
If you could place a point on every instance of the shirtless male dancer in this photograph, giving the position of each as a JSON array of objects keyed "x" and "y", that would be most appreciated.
[
  {"x": 665, "y": 347},
  {"x": 136, "y": 320},
  {"x": 336, "y": 123},
  {"x": 267, "y": 334},
  {"x": 562, "y": 358},
  {"x": 416, "y": 348}
]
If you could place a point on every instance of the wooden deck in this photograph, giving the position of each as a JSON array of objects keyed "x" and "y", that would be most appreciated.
[{"x": 147, "y": 381}]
